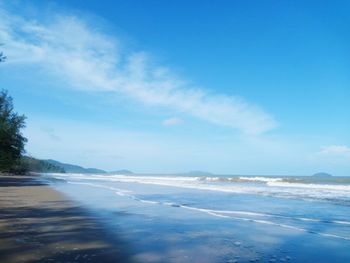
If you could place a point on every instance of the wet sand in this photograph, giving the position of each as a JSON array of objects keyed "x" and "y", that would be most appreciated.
[
  {"x": 163, "y": 223},
  {"x": 39, "y": 224}
]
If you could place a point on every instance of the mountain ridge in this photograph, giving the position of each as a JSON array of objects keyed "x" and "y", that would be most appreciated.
[{"x": 73, "y": 168}]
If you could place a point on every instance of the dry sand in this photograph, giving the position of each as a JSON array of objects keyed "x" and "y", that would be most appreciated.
[{"x": 38, "y": 224}]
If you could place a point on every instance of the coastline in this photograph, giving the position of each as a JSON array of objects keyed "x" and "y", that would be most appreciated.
[
  {"x": 176, "y": 219},
  {"x": 39, "y": 224},
  {"x": 109, "y": 221}
]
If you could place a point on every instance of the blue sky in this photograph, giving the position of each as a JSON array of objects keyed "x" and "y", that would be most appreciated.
[{"x": 234, "y": 87}]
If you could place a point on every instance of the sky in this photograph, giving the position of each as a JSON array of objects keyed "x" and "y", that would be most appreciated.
[{"x": 229, "y": 87}]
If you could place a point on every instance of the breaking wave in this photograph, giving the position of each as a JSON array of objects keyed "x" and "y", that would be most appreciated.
[{"x": 267, "y": 186}]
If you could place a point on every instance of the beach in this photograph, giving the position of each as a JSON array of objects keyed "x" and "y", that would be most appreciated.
[
  {"x": 174, "y": 131},
  {"x": 177, "y": 218},
  {"x": 162, "y": 218},
  {"x": 39, "y": 224}
]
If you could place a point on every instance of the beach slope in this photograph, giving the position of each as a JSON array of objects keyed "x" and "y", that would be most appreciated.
[{"x": 38, "y": 224}]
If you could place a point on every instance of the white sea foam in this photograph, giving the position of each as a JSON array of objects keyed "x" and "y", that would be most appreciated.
[
  {"x": 294, "y": 218},
  {"x": 148, "y": 201},
  {"x": 246, "y": 216},
  {"x": 261, "y": 179},
  {"x": 310, "y": 186},
  {"x": 266, "y": 222},
  {"x": 124, "y": 192},
  {"x": 272, "y": 186},
  {"x": 342, "y": 222}
]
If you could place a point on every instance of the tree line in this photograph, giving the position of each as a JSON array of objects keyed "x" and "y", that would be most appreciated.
[{"x": 12, "y": 140}]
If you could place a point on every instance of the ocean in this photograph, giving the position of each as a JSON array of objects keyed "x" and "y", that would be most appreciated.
[{"x": 179, "y": 218}]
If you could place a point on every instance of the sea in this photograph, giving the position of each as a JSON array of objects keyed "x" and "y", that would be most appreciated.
[{"x": 182, "y": 218}]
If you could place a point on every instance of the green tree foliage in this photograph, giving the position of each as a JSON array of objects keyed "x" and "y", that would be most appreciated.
[
  {"x": 2, "y": 57},
  {"x": 40, "y": 166},
  {"x": 11, "y": 139}
]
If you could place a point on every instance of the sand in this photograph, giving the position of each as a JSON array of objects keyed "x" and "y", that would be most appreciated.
[{"x": 39, "y": 224}]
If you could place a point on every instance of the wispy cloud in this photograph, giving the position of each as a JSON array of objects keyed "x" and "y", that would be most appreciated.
[
  {"x": 172, "y": 121},
  {"x": 89, "y": 59},
  {"x": 342, "y": 150}
]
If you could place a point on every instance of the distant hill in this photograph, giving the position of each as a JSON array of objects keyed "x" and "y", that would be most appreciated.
[
  {"x": 121, "y": 172},
  {"x": 52, "y": 166},
  {"x": 40, "y": 166},
  {"x": 71, "y": 168},
  {"x": 323, "y": 175}
]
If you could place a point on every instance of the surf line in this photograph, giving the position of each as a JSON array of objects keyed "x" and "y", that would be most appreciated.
[
  {"x": 222, "y": 214},
  {"x": 211, "y": 212}
]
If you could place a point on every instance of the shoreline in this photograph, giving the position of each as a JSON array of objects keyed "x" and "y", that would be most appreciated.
[{"x": 39, "y": 224}]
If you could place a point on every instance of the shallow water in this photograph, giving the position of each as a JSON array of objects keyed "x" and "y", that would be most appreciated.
[{"x": 220, "y": 219}]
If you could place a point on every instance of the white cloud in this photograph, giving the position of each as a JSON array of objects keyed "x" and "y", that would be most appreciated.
[
  {"x": 91, "y": 60},
  {"x": 172, "y": 121},
  {"x": 336, "y": 150}
]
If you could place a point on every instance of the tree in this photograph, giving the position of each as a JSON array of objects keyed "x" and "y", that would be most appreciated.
[
  {"x": 11, "y": 139},
  {"x": 2, "y": 57}
]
